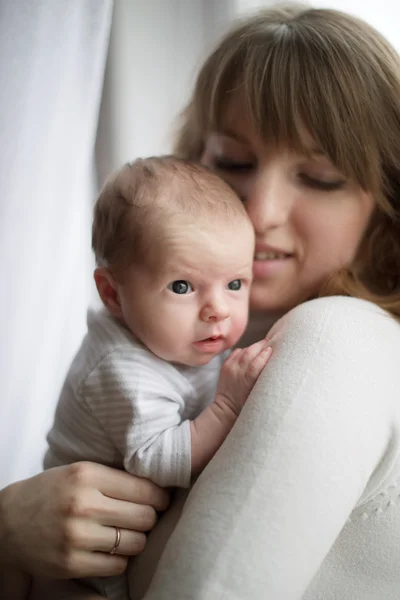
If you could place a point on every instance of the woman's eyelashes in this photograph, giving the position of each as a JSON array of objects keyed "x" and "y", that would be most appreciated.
[
  {"x": 233, "y": 166},
  {"x": 238, "y": 167},
  {"x": 321, "y": 184}
]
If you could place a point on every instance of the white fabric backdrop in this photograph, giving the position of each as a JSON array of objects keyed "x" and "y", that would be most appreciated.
[
  {"x": 156, "y": 48},
  {"x": 51, "y": 72}
]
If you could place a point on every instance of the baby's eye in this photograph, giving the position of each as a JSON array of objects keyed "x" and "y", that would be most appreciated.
[
  {"x": 180, "y": 287},
  {"x": 235, "y": 285}
]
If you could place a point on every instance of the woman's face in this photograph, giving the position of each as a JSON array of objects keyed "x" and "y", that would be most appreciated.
[{"x": 308, "y": 218}]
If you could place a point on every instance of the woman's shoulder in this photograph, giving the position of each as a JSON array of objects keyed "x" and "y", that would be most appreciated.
[
  {"x": 335, "y": 321},
  {"x": 341, "y": 307}
]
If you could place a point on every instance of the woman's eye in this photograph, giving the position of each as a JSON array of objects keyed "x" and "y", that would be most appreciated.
[
  {"x": 321, "y": 184},
  {"x": 180, "y": 287},
  {"x": 224, "y": 164},
  {"x": 235, "y": 285}
]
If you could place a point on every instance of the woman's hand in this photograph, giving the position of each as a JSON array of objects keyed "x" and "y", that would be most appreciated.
[{"x": 61, "y": 523}]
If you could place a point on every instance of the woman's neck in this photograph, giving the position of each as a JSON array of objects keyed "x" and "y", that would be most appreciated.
[{"x": 257, "y": 328}]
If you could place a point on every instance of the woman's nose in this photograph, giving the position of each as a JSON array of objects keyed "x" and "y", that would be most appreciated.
[
  {"x": 268, "y": 201},
  {"x": 215, "y": 310}
]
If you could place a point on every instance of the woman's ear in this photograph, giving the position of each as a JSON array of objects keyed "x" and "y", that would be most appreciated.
[{"x": 108, "y": 292}]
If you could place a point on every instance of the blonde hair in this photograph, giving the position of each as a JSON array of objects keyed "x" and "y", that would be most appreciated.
[
  {"x": 139, "y": 200},
  {"x": 296, "y": 67}
]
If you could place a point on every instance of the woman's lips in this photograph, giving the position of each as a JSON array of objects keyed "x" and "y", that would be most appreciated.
[{"x": 270, "y": 264}]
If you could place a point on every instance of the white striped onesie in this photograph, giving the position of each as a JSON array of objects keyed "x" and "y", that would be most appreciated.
[{"x": 124, "y": 407}]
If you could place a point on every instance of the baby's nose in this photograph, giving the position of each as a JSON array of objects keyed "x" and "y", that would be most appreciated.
[{"x": 214, "y": 311}]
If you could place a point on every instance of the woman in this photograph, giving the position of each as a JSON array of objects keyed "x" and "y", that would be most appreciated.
[{"x": 299, "y": 109}]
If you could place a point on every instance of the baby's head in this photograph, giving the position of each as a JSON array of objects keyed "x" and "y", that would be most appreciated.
[{"x": 174, "y": 251}]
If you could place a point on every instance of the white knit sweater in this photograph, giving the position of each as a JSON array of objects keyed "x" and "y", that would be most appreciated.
[{"x": 303, "y": 499}]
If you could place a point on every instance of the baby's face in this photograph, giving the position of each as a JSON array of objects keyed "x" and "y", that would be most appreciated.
[{"x": 194, "y": 305}]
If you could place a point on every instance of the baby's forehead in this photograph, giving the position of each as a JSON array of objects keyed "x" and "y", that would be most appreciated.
[{"x": 212, "y": 248}]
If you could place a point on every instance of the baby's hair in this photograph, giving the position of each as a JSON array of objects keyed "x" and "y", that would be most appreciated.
[{"x": 142, "y": 198}]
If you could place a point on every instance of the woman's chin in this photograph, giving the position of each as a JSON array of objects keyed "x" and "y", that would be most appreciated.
[{"x": 273, "y": 302}]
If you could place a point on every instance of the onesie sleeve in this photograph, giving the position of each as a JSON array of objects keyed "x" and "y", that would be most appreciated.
[
  {"x": 268, "y": 508},
  {"x": 138, "y": 405}
]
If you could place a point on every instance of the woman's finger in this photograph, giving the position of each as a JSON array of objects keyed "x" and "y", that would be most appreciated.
[
  {"x": 90, "y": 564},
  {"x": 127, "y": 515},
  {"x": 131, "y": 542},
  {"x": 119, "y": 484}
]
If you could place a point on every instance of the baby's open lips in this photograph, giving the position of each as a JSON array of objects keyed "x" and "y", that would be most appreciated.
[
  {"x": 213, "y": 344},
  {"x": 212, "y": 338}
]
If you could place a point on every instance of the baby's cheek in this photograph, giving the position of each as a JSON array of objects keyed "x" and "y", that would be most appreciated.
[{"x": 239, "y": 324}]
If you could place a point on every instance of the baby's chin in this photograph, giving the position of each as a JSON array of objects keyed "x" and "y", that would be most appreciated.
[
  {"x": 197, "y": 353},
  {"x": 194, "y": 361}
]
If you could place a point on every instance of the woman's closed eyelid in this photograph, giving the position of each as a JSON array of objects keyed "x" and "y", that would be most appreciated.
[
  {"x": 234, "y": 165},
  {"x": 321, "y": 182}
]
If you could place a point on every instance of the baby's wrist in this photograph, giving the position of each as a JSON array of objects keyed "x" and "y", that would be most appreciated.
[{"x": 224, "y": 408}]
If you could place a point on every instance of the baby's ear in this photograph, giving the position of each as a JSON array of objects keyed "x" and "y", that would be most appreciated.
[{"x": 107, "y": 288}]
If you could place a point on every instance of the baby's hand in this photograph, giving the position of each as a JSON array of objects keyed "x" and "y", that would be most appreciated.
[{"x": 239, "y": 373}]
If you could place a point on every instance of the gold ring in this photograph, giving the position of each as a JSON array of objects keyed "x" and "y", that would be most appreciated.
[{"x": 117, "y": 540}]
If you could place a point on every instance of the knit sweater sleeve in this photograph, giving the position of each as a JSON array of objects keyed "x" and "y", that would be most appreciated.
[{"x": 270, "y": 505}]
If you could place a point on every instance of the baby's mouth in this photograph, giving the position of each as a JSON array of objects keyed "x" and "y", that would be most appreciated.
[{"x": 212, "y": 338}]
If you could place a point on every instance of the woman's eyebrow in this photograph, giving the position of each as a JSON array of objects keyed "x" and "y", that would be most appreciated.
[
  {"x": 233, "y": 134},
  {"x": 315, "y": 151}
]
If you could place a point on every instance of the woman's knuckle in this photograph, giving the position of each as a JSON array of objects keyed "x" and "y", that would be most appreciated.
[
  {"x": 80, "y": 473},
  {"x": 70, "y": 538},
  {"x": 60, "y": 569},
  {"x": 76, "y": 505},
  {"x": 67, "y": 563},
  {"x": 70, "y": 565}
]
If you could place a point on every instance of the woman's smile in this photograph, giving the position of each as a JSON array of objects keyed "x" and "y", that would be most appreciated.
[{"x": 270, "y": 260}]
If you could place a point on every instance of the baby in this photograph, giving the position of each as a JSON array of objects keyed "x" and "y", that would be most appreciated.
[{"x": 151, "y": 389}]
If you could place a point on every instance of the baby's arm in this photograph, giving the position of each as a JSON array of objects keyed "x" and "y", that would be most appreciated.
[
  {"x": 141, "y": 410},
  {"x": 238, "y": 376}
]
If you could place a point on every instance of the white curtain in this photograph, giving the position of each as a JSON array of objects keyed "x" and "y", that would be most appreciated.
[
  {"x": 156, "y": 48},
  {"x": 53, "y": 56}
]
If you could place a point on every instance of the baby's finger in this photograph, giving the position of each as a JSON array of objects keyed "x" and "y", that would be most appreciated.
[
  {"x": 250, "y": 353},
  {"x": 233, "y": 357},
  {"x": 258, "y": 363}
]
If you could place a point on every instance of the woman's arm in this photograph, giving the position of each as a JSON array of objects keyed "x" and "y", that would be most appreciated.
[
  {"x": 268, "y": 508},
  {"x": 61, "y": 523}
]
